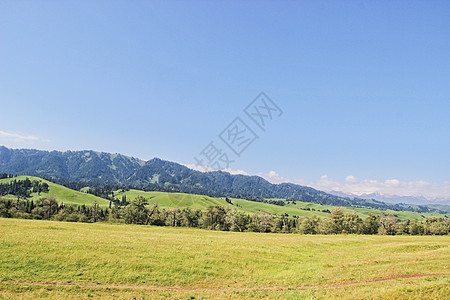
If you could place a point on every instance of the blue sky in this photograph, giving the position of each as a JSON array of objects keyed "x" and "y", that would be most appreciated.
[{"x": 363, "y": 85}]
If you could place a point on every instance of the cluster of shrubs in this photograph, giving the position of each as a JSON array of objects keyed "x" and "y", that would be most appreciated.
[
  {"x": 47, "y": 208},
  {"x": 232, "y": 219},
  {"x": 23, "y": 188},
  {"x": 223, "y": 218}
]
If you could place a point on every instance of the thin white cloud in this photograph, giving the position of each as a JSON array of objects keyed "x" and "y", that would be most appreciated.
[
  {"x": 18, "y": 137},
  {"x": 356, "y": 186},
  {"x": 198, "y": 167},
  {"x": 391, "y": 187},
  {"x": 235, "y": 172},
  {"x": 209, "y": 169},
  {"x": 274, "y": 177},
  {"x": 394, "y": 187},
  {"x": 351, "y": 179}
]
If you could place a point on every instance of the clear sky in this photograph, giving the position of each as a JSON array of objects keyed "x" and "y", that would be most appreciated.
[{"x": 364, "y": 86}]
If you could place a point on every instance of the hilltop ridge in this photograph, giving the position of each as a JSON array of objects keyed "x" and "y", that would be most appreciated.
[{"x": 91, "y": 168}]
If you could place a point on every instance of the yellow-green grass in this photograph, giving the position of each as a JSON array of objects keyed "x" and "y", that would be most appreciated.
[
  {"x": 60, "y": 193},
  {"x": 173, "y": 200},
  {"x": 45, "y": 259}
]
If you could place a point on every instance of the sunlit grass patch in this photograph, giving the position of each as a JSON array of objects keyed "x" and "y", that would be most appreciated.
[{"x": 125, "y": 260}]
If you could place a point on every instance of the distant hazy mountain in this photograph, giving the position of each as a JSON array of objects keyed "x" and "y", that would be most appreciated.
[
  {"x": 97, "y": 168},
  {"x": 394, "y": 198}
]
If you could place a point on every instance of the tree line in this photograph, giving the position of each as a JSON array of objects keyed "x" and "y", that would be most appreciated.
[
  {"x": 212, "y": 187},
  {"x": 23, "y": 188},
  {"x": 139, "y": 211},
  {"x": 47, "y": 208}
]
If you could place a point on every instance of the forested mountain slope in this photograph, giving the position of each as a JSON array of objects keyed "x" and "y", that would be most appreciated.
[{"x": 78, "y": 169}]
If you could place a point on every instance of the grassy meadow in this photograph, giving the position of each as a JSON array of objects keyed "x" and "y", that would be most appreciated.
[
  {"x": 46, "y": 259},
  {"x": 181, "y": 200}
]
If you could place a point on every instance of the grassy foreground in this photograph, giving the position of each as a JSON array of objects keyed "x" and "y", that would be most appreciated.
[{"x": 45, "y": 259}]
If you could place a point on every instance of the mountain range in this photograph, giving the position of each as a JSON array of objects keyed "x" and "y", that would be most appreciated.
[
  {"x": 90, "y": 168},
  {"x": 420, "y": 200}
]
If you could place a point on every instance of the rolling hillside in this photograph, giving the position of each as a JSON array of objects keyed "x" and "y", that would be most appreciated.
[
  {"x": 193, "y": 201},
  {"x": 78, "y": 169}
]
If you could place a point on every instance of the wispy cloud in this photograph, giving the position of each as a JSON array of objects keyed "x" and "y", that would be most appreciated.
[
  {"x": 395, "y": 187},
  {"x": 356, "y": 186},
  {"x": 18, "y": 137},
  {"x": 208, "y": 169}
]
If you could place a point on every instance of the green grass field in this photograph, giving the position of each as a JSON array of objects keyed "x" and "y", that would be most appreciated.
[{"x": 45, "y": 259}]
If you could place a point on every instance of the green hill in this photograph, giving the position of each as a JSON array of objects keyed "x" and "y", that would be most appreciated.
[
  {"x": 100, "y": 170},
  {"x": 181, "y": 200},
  {"x": 60, "y": 193},
  {"x": 192, "y": 201}
]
